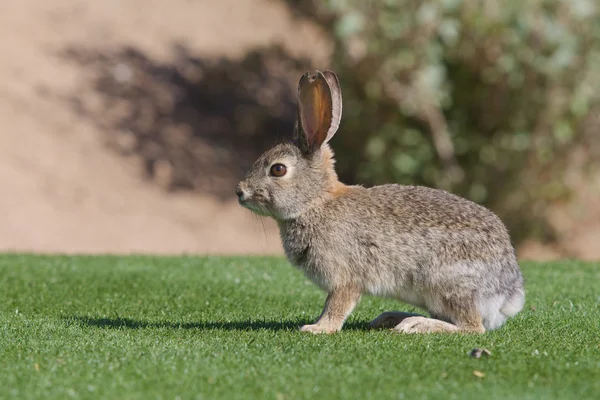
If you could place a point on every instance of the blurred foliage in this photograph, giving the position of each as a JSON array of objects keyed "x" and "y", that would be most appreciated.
[{"x": 484, "y": 98}]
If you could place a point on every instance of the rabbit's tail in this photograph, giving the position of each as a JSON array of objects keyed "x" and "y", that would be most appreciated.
[
  {"x": 497, "y": 309},
  {"x": 513, "y": 303}
]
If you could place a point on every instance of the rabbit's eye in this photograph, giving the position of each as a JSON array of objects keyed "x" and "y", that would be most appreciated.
[{"x": 278, "y": 170}]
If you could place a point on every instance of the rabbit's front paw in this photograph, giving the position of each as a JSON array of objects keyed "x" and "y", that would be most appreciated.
[{"x": 317, "y": 329}]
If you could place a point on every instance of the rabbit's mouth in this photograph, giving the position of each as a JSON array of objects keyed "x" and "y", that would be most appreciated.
[
  {"x": 255, "y": 208},
  {"x": 253, "y": 200}
]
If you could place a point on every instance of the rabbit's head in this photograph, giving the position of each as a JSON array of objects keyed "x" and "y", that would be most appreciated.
[{"x": 289, "y": 177}]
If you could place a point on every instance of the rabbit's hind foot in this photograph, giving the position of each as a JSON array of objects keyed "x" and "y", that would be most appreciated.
[{"x": 430, "y": 325}]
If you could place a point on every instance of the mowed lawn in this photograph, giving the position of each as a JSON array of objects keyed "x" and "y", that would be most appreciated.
[{"x": 226, "y": 328}]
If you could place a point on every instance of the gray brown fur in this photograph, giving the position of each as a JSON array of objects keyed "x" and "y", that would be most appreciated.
[{"x": 424, "y": 246}]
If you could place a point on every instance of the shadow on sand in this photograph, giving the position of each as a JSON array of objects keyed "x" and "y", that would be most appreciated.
[{"x": 193, "y": 123}]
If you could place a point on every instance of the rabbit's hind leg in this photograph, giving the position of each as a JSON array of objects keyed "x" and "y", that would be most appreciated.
[{"x": 390, "y": 319}]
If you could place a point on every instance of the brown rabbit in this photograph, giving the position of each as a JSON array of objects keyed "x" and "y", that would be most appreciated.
[{"x": 423, "y": 246}]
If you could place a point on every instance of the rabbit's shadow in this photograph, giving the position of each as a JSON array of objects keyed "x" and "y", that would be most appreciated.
[{"x": 243, "y": 325}]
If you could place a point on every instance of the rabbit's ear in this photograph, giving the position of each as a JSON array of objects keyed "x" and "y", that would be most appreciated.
[
  {"x": 319, "y": 109},
  {"x": 336, "y": 103}
]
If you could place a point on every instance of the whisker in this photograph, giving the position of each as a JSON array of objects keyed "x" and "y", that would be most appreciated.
[
  {"x": 264, "y": 227},
  {"x": 250, "y": 217}
]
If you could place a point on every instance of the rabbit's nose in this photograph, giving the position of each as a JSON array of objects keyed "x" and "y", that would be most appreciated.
[{"x": 240, "y": 193}]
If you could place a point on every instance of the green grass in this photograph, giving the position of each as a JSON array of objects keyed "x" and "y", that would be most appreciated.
[{"x": 167, "y": 328}]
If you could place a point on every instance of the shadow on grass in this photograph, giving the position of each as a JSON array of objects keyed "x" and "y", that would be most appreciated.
[{"x": 246, "y": 325}]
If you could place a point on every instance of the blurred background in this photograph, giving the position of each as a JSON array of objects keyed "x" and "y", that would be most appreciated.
[{"x": 126, "y": 124}]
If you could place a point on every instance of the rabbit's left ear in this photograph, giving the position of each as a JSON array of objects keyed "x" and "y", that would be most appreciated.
[{"x": 319, "y": 109}]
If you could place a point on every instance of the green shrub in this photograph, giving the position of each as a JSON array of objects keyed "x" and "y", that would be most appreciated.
[{"x": 484, "y": 98}]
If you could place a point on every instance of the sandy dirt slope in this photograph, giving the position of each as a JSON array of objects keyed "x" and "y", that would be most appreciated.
[{"x": 62, "y": 189}]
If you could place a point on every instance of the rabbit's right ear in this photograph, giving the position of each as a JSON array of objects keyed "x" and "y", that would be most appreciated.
[{"x": 319, "y": 110}]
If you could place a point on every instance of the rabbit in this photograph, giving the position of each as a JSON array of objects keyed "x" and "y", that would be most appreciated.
[{"x": 423, "y": 246}]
